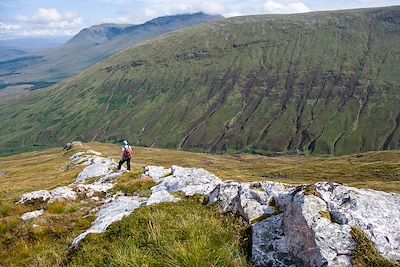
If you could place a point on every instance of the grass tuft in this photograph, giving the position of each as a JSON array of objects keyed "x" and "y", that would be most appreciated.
[
  {"x": 326, "y": 215},
  {"x": 186, "y": 233},
  {"x": 131, "y": 184},
  {"x": 311, "y": 190},
  {"x": 61, "y": 207},
  {"x": 366, "y": 253}
]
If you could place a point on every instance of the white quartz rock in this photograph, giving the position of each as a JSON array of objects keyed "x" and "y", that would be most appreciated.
[
  {"x": 97, "y": 166},
  {"x": 189, "y": 181},
  {"x": 160, "y": 197},
  {"x": 40, "y": 195},
  {"x": 62, "y": 193},
  {"x": 109, "y": 213},
  {"x": 31, "y": 215},
  {"x": 157, "y": 172},
  {"x": 376, "y": 213}
]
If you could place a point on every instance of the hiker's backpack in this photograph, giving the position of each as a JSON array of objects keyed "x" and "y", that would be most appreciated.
[{"x": 128, "y": 152}]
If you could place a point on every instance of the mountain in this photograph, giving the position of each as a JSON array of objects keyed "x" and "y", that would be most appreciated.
[
  {"x": 90, "y": 46},
  {"x": 320, "y": 83}
]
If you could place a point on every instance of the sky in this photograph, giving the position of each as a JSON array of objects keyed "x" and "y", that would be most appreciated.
[{"x": 46, "y": 18}]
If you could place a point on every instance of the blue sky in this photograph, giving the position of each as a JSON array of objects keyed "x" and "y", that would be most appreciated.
[{"x": 22, "y": 18}]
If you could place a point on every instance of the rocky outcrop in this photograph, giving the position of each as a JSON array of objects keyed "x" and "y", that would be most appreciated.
[
  {"x": 291, "y": 225},
  {"x": 57, "y": 194},
  {"x": 311, "y": 235},
  {"x": 156, "y": 172},
  {"x": 377, "y": 213},
  {"x": 31, "y": 215},
  {"x": 161, "y": 196},
  {"x": 188, "y": 181},
  {"x": 97, "y": 166},
  {"x": 306, "y": 225},
  {"x": 111, "y": 212}
]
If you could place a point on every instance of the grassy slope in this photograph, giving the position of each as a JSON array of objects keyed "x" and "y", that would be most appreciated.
[
  {"x": 321, "y": 82},
  {"x": 324, "y": 82},
  {"x": 23, "y": 244}
]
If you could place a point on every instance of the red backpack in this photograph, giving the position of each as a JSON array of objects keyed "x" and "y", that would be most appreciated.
[{"x": 128, "y": 153}]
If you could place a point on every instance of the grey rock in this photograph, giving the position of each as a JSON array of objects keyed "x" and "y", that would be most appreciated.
[
  {"x": 110, "y": 178},
  {"x": 314, "y": 239},
  {"x": 240, "y": 198},
  {"x": 269, "y": 247},
  {"x": 255, "y": 203},
  {"x": 227, "y": 195},
  {"x": 109, "y": 213},
  {"x": 97, "y": 166},
  {"x": 157, "y": 172},
  {"x": 160, "y": 197},
  {"x": 96, "y": 187},
  {"x": 189, "y": 181},
  {"x": 69, "y": 146},
  {"x": 59, "y": 193},
  {"x": 31, "y": 215},
  {"x": 62, "y": 193},
  {"x": 40, "y": 195},
  {"x": 376, "y": 213}
]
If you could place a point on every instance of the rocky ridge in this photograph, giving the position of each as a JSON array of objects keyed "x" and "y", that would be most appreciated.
[{"x": 307, "y": 225}]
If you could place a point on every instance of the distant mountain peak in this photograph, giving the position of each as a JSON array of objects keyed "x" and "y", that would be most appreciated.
[{"x": 107, "y": 31}]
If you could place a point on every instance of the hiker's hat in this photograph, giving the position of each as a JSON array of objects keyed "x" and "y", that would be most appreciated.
[{"x": 125, "y": 142}]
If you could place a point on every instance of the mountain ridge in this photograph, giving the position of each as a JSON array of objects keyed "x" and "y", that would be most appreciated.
[
  {"x": 90, "y": 46},
  {"x": 319, "y": 83}
]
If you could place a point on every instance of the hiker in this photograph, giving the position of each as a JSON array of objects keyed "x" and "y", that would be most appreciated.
[{"x": 126, "y": 156}]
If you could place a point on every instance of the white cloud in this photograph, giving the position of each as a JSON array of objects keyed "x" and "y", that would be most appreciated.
[
  {"x": 44, "y": 22},
  {"x": 157, "y": 8},
  {"x": 273, "y": 7},
  {"x": 118, "y": 2},
  {"x": 51, "y": 18},
  {"x": 8, "y": 28}
]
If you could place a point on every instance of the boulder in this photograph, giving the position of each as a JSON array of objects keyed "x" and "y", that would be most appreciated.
[
  {"x": 189, "y": 181},
  {"x": 156, "y": 172},
  {"x": 31, "y": 215},
  {"x": 109, "y": 213},
  {"x": 69, "y": 146},
  {"x": 160, "y": 197},
  {"x": 59, "y": 193},
  {"x": 269, "y": 247},
  {"x": 62, "y": 193},
  {"x": 97, "y": 166},
  {"x": 40, "y": 195},
  {"x": 312, "y": 237},
  {"x": 376, "y": 213}
]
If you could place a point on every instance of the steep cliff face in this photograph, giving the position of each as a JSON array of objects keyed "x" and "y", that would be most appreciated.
[{"x": 324, "y": 82}]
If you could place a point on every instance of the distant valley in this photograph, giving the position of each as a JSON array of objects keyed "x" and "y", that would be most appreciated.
[
  {"x": 91, "y": 45},
  {"x": 314, "y": 83}
]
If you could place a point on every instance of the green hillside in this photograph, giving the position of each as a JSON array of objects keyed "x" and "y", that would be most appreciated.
[{"x": 324, "y": 82}]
